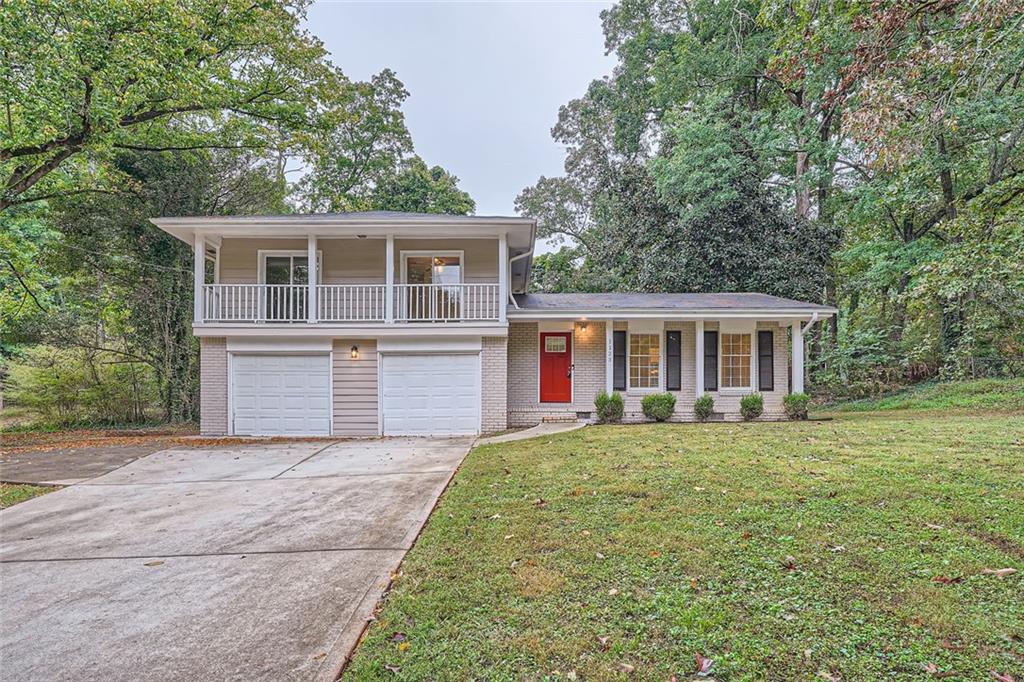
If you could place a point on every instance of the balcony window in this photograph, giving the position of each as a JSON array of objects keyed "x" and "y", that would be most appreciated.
[{"x": 434, "y": 294}]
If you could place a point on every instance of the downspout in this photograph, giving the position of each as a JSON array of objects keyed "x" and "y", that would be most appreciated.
[
  {"x": 511, "y": 298},
  {"x": 813, "y": 320}
]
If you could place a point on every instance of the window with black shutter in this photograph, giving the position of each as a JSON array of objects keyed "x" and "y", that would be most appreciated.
[
  {"x": 619, "y": 361},
  {"x": 765, "y": 360},
  {"x": 710, "y": 361},
  {"x": 673, "y": 360}
]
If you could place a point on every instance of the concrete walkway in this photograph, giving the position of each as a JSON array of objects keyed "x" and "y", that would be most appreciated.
[
  {"x": 248, "y": 562},
  {"x": 543, "y": 429}
]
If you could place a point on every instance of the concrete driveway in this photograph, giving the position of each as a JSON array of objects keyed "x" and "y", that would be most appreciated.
[{"x": 249, "y": 562}]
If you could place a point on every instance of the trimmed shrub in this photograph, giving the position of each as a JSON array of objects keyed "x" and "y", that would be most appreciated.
[
  {"x": 609, "y": 408},
  {"x": 658, "y": 406},
  {"x": 796, "y": 405},
  {"x": 751, "y": 406},
  {"x": 703, "y": 407}
]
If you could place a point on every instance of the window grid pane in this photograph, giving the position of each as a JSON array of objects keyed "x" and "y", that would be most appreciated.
[
  {"x": 735, "y": 360},
  {"x": 644, "y": 360}
]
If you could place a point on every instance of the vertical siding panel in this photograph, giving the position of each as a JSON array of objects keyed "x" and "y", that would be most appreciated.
[{"x": 354, "y": 385}]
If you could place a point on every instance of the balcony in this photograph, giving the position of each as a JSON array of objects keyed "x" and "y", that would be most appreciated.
[{"x": 351, "y": 303}]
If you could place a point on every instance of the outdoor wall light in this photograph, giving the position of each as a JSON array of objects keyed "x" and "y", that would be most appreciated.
[
  {"x": 583, "y": 325},
  {"x": 354, "y": 352}
]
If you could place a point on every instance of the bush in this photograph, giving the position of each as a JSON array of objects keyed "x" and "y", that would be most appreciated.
[
  {"x": 751, "y": 406},
  {"x": 658, "y": 406},
  {"x": 74, "y": 386},
  {"x": 703, "y": 407},
  {"x": 796, "y": 405},
  {"x": 609, "y": 408}
]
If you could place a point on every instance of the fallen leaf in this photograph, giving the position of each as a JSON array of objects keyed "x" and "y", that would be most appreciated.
[
  {"x": 934, "y": 526},
  {"x": 746, "y": 535},
  {"x": 627, "y": 668},
  {"x": 704, "y": 665},
  {"x": 1002, "y": 677},
  {"x": 719, "y": 523},
  {"x": 603, "y": 641},
  {"x": 655, "y": 554},
  {"x": 946, "y": 580},
  {"x": 999, "y": 572},
  {"x": 541, "y": 503},
  {"x": 393, "y": 668},
  {"x": 612, "y": 592},
  {"x": 789, "y": 563},
  {"x": 509, "y": 537},
  {"x": 586, "y": 533},
  {"x": 404, "y": 646},
  {"x": 153, "y": 563},
  {"x": 837, "y": 548},
  {"x": 398, "y": 637},
  {"x": 496, "y": 516},
  {"x": 599, "y": 555}
]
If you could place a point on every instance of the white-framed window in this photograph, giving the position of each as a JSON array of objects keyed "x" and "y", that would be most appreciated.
[
  {"x": 432, "y": 267},
  {"x": 287, "y": 267},
  {"x": 644, "y": 361},
  {"x": 555, "y": 344},
  {"x": 735, "y": 358}
]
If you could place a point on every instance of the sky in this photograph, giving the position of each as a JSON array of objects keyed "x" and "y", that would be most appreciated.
[{"x": 485, "y": 79}]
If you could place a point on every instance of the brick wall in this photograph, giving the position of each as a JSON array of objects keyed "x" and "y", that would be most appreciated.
[
  {"x": 494, "y": 385},
  {"x": 524, "y": 406},
  {"x": 213, "y": 386}
]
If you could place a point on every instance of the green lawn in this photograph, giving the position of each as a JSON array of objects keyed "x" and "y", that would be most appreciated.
[
  {"x": 13, "y": 493},
  {"x": 853, "y": 549},
  {"x": 979, "y": 395}
]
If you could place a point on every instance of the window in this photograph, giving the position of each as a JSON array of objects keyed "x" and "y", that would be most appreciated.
[
  {"x": 735, "y": 360},
  {"x": 554, "y": 344},
  {"x": 644, "y": 360},
  {"x": 433, "y": 269}
]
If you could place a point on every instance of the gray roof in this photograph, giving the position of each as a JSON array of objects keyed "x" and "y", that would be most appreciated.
[
  {"x": 674, "y": 302},
  {"x": 351, "y": 216}
]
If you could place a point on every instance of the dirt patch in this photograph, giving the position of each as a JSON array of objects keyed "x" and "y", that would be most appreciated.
[{"x": 77, "y": 440}]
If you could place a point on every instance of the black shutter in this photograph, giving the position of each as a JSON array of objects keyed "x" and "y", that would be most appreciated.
[
  {"x": 710, "y": 361},
  {"x": 619, "y": 361},
  {"x": 765, "y": 361},
  {"x": 673, "y": 361}
]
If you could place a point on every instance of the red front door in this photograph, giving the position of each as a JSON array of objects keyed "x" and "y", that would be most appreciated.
[{"x": 556, "y": 367}]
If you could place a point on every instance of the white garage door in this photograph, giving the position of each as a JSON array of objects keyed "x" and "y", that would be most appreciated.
[
  {"x": 432, "y": 394},
  {"x": 281, "y": 395}
]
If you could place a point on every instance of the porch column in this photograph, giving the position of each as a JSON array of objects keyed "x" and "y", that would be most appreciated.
[
  {"x": 699, "y": 359},
  {"x": 798, "y": 358},
  {"x": 314, "y": 277},
  {"x": 389, "y": 279},
  {"x": 199, "y": 276},
  {"x": 502, "y": 277},
  {"x": 609, "y": 356}
]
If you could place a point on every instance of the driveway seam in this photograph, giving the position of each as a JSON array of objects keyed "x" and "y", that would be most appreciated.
[
  {"x": 306, "y": 459},
  {"x": 259, "y": 552},
  {"x": 259, "y": 480}
]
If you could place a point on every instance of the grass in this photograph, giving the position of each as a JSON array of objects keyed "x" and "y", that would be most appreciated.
[
  {"x": 783, "y": 551},
  {"x": 13, "y": 493},
  {"x": 980, "y": 395}
]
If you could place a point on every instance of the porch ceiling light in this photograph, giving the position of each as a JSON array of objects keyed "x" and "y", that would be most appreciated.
[{"x": 354, "y": 352}]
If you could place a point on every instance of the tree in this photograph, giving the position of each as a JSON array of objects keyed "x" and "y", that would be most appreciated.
[
  {"x": 82, "y": 79},
  {"x": 419, "y": 189}
]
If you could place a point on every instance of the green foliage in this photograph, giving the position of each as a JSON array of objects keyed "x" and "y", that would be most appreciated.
[
  {"x": 82, "y": 79},
  {"x": 658, "y": 406},
  {"x": 11, "y": 493},
  {"x": 751, "y": 406},
  {"x": 796, "y": 405},
  {"x": 704, "y": 407},
  {"x": 982, "y": 395},
  {"x": 78, "y": 386},
  {"x": 419, "y": 189},
  {"x": 609, "y": 408}
]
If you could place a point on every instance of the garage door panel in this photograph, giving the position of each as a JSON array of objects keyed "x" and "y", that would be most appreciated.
[
  {"x": 431, "y": 394},
  {"x": 281, "y": 394}
]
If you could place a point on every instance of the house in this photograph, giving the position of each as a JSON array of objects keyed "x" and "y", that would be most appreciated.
[{"x": 382, "y": 323}]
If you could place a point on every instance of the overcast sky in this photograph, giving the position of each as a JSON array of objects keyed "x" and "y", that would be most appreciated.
[{"x": 485, "y": 79}]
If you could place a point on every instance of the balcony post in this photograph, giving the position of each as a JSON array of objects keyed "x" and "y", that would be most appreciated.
[
  {"x": 502, "y": 277},
  {"x": 313, "y": 277},
  {"x": 389, "y": 279},
  {"x": 199, "y": 276}
]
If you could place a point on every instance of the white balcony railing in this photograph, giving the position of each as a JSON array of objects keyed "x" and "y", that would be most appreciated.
[{"x": 365, "y": 303}]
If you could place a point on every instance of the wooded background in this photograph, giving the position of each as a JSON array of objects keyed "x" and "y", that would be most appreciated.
[{"x": 865, "y": 155}]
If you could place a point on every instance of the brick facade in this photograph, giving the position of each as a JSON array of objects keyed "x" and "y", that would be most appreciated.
[
  {"x": 494, "y": 385},
  {"x": 213, "y": 386},
  {"x": 525, "y": 408}
]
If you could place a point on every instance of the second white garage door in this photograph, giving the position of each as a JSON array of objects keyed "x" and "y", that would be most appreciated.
[
  {"x": 281, "y": 395},
  {"x": 435, "y": 394}
]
